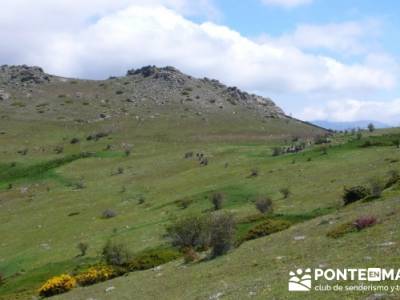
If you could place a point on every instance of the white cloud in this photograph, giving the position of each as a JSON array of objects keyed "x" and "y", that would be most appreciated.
[
  {"x": 137, "y": 35},
  {"x": 286, "y": 3},
  {"x": 352, "y": 37},
  {"x": 352, "y": 110}
]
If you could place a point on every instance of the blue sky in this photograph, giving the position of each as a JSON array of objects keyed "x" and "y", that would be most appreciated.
[{"x": 317, "y": 59}]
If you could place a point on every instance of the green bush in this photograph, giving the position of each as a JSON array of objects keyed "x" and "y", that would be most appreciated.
[
  {"x": 116, "y": 253},
  {"x": 183, "y": 203},
  {"x": 276, "y": 151},
  {"x": 341, "y": 230},
  {"x": 266, "y": 228},
  {"x": 354, "y": 193},
  {"x": 376, "y": 187},
  {"x": 264, "y": 205},
  {"x": 189, "y": 232},
  {"x": 82, "y": 247},
  {"x": 217, "y": 199},
  {"x": 152, "y": 258},
  {"x": 358, "y": 225},
  {"x": 285, "y": 192},
  {"x": 222, "y": 233}
]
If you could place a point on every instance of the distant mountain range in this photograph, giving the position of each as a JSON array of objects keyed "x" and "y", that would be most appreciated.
[{"x": 349, "y": 125}]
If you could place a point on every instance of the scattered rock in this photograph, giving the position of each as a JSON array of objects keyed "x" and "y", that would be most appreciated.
[
  {"x": 299, "y": 237},
  {"x": 109, "y": 289},
  {"x": 216, "y": 296}
]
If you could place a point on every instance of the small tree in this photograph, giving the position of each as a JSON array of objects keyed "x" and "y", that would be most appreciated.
[
  {"x": 222, "y": 233},
  {"x": 116, "y": 253},
  {"x": 276, "y": 151},
  {"x": 285, "y": 192},
  {"x": 82, "y": 247},
  {"x": 217, "y": 199},
  {"x": 264, "y": 205},
  {"x": 376, "y": 187},
  {"x": 371, "y": 127},
  {"x": 189, "y": 233}
]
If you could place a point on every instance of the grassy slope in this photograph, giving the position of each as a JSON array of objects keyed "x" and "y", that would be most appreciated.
[{"x": 44, "y": 244}]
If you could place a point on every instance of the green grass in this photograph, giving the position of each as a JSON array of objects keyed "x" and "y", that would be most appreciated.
[{"x": 43, "y": 196}]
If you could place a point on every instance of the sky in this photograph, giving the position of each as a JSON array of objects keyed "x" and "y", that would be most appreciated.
[{"x": 335, "y": 60}]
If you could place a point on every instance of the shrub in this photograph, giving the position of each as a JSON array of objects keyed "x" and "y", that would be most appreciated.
[
  {"x": 97, "y": 136},
  {"x": 364, "y": 222},
  {"x": 376, "y": 187},
  {"x": 222, "y": 233},
  {"x": 254, "y": 173},
  {"x": 371, "y": 127},
  {"x": 354, "y": 193},
  {"x": 1, "y": 279},
  {"x": 266, "y": 228},
  {"x": 341, "y": 230},
  {"x": 95, "y": 274},
  {"x": 74, "y": 141},
  {"x": 276, "y": 151},
  {"x": 116, "y": 254},
  {"x": 394, "y": 177},
  {"x": 396, "y": 143},
  {"x": 152, "y": 258},
  {"x": 285, "y": 192},
  {"x": 264, "y": 205},
  {"x": 217, "y": 199},
  {"x": 57, "y": 285},
  {"x": 357, "y": 225},
  {"x": 82, "y": 247},
  {"x": 189, "y": 232},
  {"x": 108, "y": 213},
  {"x": 184, "y": 203}
]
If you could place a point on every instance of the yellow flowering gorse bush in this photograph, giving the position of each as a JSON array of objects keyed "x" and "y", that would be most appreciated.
[
  {"x": 57, "y": 285},
  {"x": 95, "y": 274}
]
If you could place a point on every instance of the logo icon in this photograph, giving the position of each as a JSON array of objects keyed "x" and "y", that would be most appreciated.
[
  {"x": 374, "y": 274},
  {"x": 300, "y": 281}
]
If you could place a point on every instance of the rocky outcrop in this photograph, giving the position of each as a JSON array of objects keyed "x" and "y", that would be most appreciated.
[
  {"x": 169, "y": 74},
  {"x": 22, "y": 75}
]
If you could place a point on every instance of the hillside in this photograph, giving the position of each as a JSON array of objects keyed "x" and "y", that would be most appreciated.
[{"x": 73, "y": 150}]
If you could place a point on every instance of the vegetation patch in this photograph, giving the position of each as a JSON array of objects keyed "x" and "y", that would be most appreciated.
[
  {"x": 39, "y": 170},
  {"x": 349, "y": 227},
  {"x": 96, "y": 274},
  {"x": 57, "y": 285},
  {"x": 266, "y": 228},
  {"x": 354, "y": 194},
  {"x": 152, "y": 258}
]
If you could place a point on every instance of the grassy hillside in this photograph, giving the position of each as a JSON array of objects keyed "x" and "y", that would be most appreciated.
[{"x": 60, "y": 169}]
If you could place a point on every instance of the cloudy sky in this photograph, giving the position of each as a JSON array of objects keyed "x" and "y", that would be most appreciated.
[{"x": 335, "y": 60}]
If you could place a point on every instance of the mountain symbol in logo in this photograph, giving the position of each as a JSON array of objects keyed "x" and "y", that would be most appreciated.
[{"x": 300, "y": 281}]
